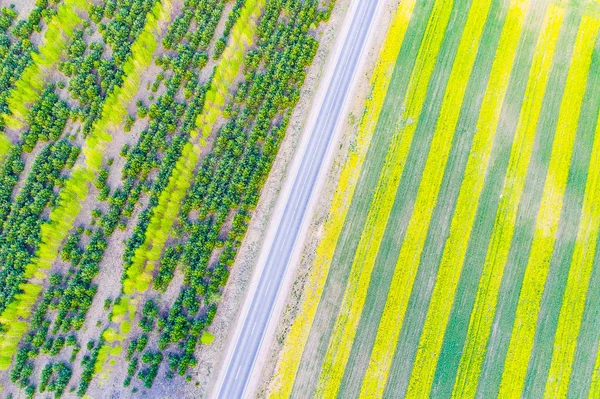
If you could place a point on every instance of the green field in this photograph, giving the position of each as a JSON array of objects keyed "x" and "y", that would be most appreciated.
[{"x": 467, "y": 263}]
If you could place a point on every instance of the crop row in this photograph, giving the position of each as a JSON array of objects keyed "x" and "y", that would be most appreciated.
[
  {"x": 165, "y": 213},
  {"x": 135, "y": 278},
  {"x": 521, "y": 342},
  {"x": 249, "y": 98},
  {"x": 455, "y": 248},
  {"x": 364, "y": 260},
  {"x": 78, "y": 290},
  {"x": 578, "y": 281},
  {"x": 29, "y": 88},
  {"x": 483, "y": 312},
  {"x": 195, "y": 306},
  {"x": 17, "y": 54},
  {"x": 380, "y": 81},
  {"x": 237, "y": 165},
  {"x": 180, "y": 67},
  {"x": 418, "y": 225}
]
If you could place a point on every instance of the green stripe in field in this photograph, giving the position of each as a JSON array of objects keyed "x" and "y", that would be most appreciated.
[
  {"x": 457, "y": 327},
  {"x": 464, "y": 215},
  {"x": 402, "y": 207},
  {"x": 406, "y": 348},
  {"x": 587, "y": 344},
  {"x": 515, "y": 368},
  {"x": 344, "y": 331},
  {"x": 414, "y": 318},
  {"x": 296, "y": 339},
  {"x": 580, "y": 271},
  {"x": 380, "y": 278},
  {"x": 485, "y": 303},
  {"x": 590, "y": 323},
  {"x": 308, "y": 372},
  {"x": 414, "y": 240}
]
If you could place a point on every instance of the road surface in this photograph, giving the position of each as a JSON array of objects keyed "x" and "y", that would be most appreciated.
[{"x": 234, "y": 381}]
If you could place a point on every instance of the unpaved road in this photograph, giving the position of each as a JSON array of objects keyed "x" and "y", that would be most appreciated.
[{"x": 280, "y": 244}]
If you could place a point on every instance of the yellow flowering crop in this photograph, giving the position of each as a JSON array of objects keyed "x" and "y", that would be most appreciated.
[
  {"x": 483, "y": 312},
  {"x": 521, "y": 342},
  {"x": 464, "y": 215},
  {"x": 414, "y": 240},
  {"x": 580, "y": 272},
  {"x": 356, "y": 290}
]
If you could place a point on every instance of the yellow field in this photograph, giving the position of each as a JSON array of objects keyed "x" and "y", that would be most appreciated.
[
  {"x": 521, "y": 342},
  {"x": 364, "y": 260},
  {"x": 580, "y": 272},
  {"x": 595, "y": 386},
  {"x": 295, "y": 341},
  {"x": 462, "y": 208},
  {"x": 414, "y": 240},
  {"x": 462, "y": 222},
  {"x": 487, "y": 294}
]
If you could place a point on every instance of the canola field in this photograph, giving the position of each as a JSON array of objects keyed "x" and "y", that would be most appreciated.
[{"x": 460, "y": 254}]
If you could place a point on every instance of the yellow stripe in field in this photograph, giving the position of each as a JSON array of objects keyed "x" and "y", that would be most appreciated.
[
  {"x": 355, "y": 294},
  {"x": 521, "y": 342},
  {"x": 595, "y": 385},
  {"x": 283, "y": 380},
  {"x": 414, "y": 240},
  {"x": 580, "y": 272},
  {"x": 482, "y": 316},
  {"x": 455, "y": 248}
]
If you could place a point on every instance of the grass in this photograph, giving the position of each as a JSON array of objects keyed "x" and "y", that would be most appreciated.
[
  {"x": 462, "y": 223},
  {"x": 521, "y": 342},
  {"x": 580, "y": 272},
  {"x": 380, "y": 80},
  {"x": 364, "y": 260},
  {"x": 482, "y": 315}
]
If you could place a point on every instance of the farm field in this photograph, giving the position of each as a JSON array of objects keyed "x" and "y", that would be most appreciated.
[
  {"x": 135, "y": 139},
  {"x": 459, "y": 257}
]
